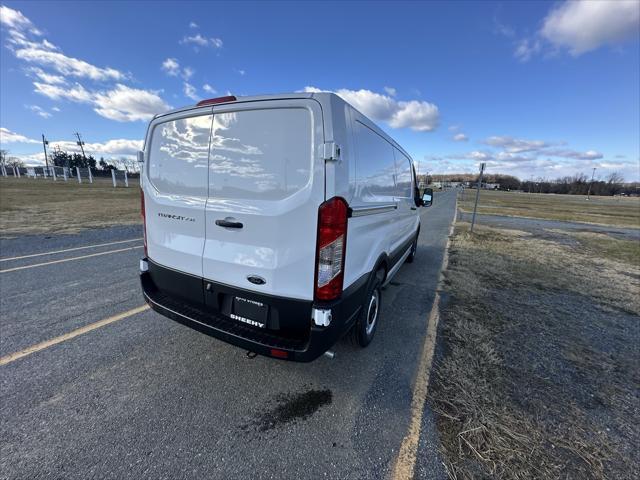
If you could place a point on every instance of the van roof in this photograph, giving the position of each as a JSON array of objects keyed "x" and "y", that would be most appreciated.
[{"x": 328, "y": 97}]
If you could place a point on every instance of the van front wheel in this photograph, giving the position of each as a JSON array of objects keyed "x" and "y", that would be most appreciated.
[{"x": 365, "y": 327}]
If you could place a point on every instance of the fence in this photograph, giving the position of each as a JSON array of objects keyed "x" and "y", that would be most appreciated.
[{"x": 118, "y": 178}]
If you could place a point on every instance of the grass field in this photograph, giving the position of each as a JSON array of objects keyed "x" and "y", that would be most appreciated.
[
  {"x": 537, "y": 373},
  {"x": 616, "y": 211},
  {"x": 41, "y": 206}
]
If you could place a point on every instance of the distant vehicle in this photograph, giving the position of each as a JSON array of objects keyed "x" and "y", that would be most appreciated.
[{"x": 273, "y": 222}]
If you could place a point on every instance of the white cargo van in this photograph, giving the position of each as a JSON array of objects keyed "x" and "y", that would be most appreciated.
[{"x": 273, "y": 222}]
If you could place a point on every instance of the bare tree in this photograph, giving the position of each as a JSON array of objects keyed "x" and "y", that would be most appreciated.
[
  {"x": 615, "y": 178},
  {"x": 13, "y": 162}
]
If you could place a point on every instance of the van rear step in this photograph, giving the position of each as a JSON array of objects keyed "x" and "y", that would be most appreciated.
[{"x": 203, "y": 320}]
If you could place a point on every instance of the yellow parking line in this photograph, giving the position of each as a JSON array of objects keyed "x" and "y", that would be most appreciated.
[
  {"x": 69, "y": 250},
  {"x": 405, "y": 464},
  {"x": 68, "y": 336},
  {"x": 68, "y": 259}
]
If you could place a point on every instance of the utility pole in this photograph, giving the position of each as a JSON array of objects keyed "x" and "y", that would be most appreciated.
[
  {"x": 475, "y": 207},
  {"x": 45, "y": 142},
  {"x": 80, "y": 143},
  {"x": 591, "y": 183}
]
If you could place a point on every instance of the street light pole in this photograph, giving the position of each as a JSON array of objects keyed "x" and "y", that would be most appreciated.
[
  {"x": 475, "y": 207},
  {"x": 591, "y": 183}
]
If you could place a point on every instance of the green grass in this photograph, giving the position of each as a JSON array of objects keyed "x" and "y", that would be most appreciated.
[
  {"x": 40, "y": 206},
  {"x": 614, "y": 211}
]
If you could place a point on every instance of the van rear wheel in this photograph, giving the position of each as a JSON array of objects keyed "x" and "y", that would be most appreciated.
[{"x": 367, "y": 323}]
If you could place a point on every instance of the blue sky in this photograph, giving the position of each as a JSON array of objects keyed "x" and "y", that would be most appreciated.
[{"x": 532, "y": 88}]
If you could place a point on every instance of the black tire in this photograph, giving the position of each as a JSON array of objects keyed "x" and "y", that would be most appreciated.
[
  {"x": 367, "y": 323},
  {"x": 414, "y": 247}
]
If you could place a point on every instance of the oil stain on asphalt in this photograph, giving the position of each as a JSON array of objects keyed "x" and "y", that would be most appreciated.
[{"x": 292, "y": 407}]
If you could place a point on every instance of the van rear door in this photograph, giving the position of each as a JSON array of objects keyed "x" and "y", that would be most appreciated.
[
  {"x": 266, "y": 181},
  {"x": 176, "y": 191}
]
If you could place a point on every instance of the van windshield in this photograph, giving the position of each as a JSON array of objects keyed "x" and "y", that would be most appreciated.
[{"x": 260, "y": 154}]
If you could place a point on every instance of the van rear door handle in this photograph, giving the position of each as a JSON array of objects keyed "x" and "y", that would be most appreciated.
[{"x": 228, "y": 224}]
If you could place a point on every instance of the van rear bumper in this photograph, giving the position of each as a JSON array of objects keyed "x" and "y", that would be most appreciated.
[{"x": 188, "y": 306}]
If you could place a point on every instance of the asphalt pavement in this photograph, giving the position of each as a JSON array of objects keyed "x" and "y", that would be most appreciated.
[
  {"x": 145, "y": 397},
  {"x": 537, "y": 225}
]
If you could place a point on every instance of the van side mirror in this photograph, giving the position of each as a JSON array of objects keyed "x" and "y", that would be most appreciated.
[{"x": 427, "y": 197}]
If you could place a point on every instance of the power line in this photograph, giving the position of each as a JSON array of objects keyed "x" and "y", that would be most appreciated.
[
  {"x": 80, "y": 143},
  {"x": 45, "y": 142}
]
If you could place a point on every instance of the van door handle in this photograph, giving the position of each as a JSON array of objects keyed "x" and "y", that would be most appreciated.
[
  {"x": 413, "y": 208},
  {"x": 228, "y": 224}
]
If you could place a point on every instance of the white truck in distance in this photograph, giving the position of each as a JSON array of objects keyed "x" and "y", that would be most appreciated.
[{"x": 273, "y": 222}]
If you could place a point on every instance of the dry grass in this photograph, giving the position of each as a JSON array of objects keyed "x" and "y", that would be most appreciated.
[
  {"x": 537, "y": 374},
  {"x": 617, "y": 211},
  {"x": 41, "y": 206}
]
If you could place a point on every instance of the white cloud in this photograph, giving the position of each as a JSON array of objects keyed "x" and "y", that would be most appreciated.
[
  {"x": 390, "y": 91},
  {"x": 417, "y": 115},
  {"x": 122, "y": 103},
  {"x": 7, "y": 136},
  {"x": 581, "y": 26},
  {"x": 187, "y": 73},
  {"x": 171, "y": 67},
  {"x": 502, "y": 29},
  {"x": 47, "y": 77},
  {"x": 209, "y": 89},
  {"x": 198, "y": 40},
  {"x": 65, "y": 65},
  {"x": 119, "y": 147},
  {"x": 241, "y": 72},
  {"x": 55, "y": 109},
  {"x": 126, "y": 104},
  {"x": 460, "y": 137},
  {"x": 38, "y": 111},
  {"x": 516, "y": 145},
  {"x": 116, "y": 102},
  {"x": 193, "y": 25},
  {"x": 76, "y": 93},
  {"x": 527, "y": 48},
  {"x": 588, "y": 155},
  {"x": 190, "y": 91},
  {"x": 14, "y": 19}
]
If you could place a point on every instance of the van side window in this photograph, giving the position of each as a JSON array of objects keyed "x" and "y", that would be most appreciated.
[
  {"x": 403, "y": 175},
  {"x": 260, "y": 154},
  {"x": 179, "y": 156},
  {"x": 375, "y": 168}
]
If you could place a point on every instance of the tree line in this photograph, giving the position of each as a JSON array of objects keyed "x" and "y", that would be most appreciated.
[
  {"x": 60, "y": 158},
  {"x": 579, "y": 184}
]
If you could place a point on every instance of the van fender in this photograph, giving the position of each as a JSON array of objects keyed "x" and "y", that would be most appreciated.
[{"x": 381, "y": 263}]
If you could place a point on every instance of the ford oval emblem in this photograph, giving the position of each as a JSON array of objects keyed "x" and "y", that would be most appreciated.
[{"x": 256, "y": 280}]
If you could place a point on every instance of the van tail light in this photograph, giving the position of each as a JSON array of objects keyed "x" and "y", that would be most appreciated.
[
  {"x": 330, "y": 250},
  {"x": 144, "y": 222}
]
